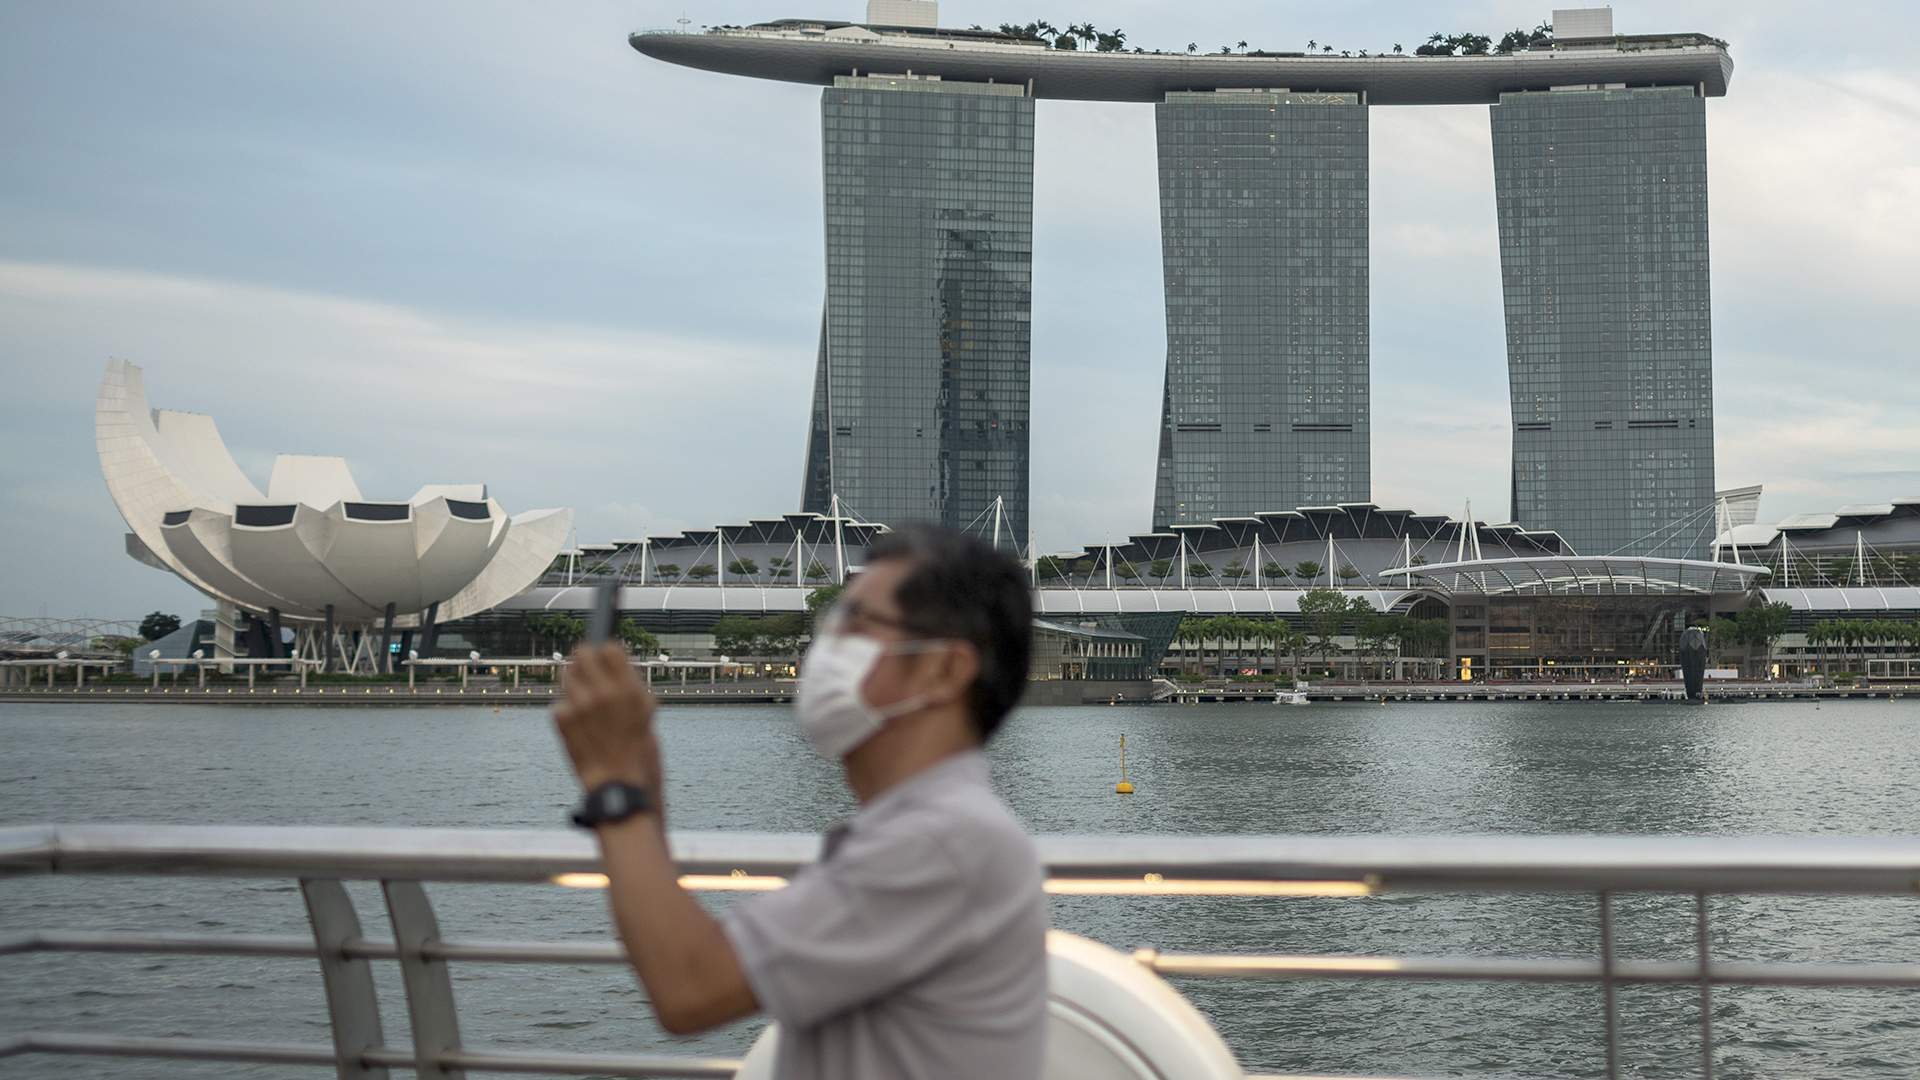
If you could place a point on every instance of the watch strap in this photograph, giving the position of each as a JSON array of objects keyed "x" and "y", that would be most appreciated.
[{"x": 611, "y": 802}]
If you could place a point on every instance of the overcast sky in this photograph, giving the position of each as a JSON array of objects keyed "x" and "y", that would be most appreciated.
[{"x": 489, "y": 242}]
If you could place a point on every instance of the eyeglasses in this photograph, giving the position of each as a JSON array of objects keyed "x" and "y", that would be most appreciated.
[{"x": 851, "y": 616}]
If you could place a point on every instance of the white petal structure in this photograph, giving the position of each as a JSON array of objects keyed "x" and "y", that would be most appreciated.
[{"x": 312, "y": 542}]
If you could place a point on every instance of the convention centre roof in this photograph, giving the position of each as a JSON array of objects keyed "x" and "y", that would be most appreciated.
[{"x": 1581, "y": 575}]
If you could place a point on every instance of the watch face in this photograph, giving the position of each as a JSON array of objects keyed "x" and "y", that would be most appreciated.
[{"x": 613, "y": 802}]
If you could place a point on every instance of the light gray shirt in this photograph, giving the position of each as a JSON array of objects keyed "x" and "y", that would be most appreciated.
[{"x": 916, "y": 948}]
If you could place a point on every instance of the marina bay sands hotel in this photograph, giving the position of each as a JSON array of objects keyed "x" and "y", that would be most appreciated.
[{"x": 921, "y": 392}]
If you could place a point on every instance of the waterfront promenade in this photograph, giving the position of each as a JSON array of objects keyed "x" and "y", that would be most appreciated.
[{"x": 764, "y": 692}]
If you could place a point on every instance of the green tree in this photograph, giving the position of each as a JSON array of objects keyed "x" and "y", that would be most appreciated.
[
  {"x": 1325, "y": 613},
  {"x": 738, "y": 635},
  {"x": 1380, "y": 633},
  {"x": 1188, "y": 634},
  {"x": 557, "y": 628},
  {"x": 639, "y": 640},
  {"x": 158, "y": 624},
  {"x": 783, "y": 633},
  {"x": 1126, "y": 572},
  {"x": 819, "y": 600},
  {"x": 1820, "y": 635},
  {"x": 1723, "y": 636},
  {"x": 1160, "y": 568},
  {"x": 744, "y": 567},
  {"x": 701, "y": 572},
  {"x": 1273, "y": 571},
  {"x": 1763, "y": 624},
  {"x": 1242, "y": 631},
  {"x": 1306, "y": 571},
  {"x": 816, "y": 571},
  {"x": 1428, "y": 638},
  {"x": 1348, "y": 572},
  {"x": 1292, "y": 641},
  {"x": 779, "y": 565},
  {"x": 1234, "y": 571},
  {"x": 1051, "y": 568},
  {"x": 666, "y": 571}
]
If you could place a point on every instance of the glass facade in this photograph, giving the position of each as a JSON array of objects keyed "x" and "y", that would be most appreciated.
[
  {"x": 1263, "y": 224},
  {"x": 921, "y": 391},
  {"x": 1602, "y": 203}
]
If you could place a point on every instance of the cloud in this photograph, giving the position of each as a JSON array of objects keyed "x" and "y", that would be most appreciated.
[
  {"x": 545, "y": 414},
  {"x": 1814, "y": 180},
  {"x": 480, "y": 243}
]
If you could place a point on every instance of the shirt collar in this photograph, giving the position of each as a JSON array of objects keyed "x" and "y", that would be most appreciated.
[{"x": 965, "y": 767}]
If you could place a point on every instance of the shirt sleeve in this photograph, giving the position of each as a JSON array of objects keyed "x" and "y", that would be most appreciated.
[{"x": 881, "y": 913}]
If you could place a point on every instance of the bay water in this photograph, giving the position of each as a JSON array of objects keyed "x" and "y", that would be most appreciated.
[{"x": 1406, "y": 768}]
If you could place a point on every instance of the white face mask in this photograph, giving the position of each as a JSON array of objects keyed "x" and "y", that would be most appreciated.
[{"x": 833, "y": 712}]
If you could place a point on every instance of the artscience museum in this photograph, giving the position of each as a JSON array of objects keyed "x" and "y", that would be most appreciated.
[{"x": 311, "y": 553}]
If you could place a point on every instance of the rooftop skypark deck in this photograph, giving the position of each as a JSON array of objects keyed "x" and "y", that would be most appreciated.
[{"x": 815, "y": 51}]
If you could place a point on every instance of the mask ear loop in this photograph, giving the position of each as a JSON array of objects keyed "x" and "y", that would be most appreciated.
[{"x": 904, "y": 648}]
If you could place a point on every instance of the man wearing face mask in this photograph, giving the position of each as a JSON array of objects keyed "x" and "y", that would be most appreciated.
[{"x": 916, "y": 946}]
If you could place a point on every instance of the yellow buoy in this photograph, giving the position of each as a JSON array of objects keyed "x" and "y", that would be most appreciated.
[{"x": 1124, "y": 787}]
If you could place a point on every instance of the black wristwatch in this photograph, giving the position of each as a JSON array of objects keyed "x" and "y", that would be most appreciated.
[{"x": 611, "y": 802}]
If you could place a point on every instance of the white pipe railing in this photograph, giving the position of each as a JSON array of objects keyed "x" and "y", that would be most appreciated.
[{"x": 1261, "y": 866}]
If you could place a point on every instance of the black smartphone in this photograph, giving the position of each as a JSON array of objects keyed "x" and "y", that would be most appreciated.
[{"x": 606, "y": 609}]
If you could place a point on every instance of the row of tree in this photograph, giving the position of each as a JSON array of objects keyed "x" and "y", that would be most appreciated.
[
  {"x": 1842, "y": 571},
  {"x": 1083, "y": 37},
  {"x": 1861, "y": 634},
  {"x": 779, "y": 569},
  {"x": 1326, "y": 615},
  {"x": 733, "y": 635},
  {"x": 1471, "y": 44},
  {"x": 1160, "y": 571},
  {"x": 563, "y": 631}
]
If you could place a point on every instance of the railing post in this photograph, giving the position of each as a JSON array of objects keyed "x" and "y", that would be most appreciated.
[
  {"x": 430, "y": 1006},
  {"x": 353, "y": 1009},
  {"x": 1607, "y": 987},
  {"x": 1706, "y": 986}
]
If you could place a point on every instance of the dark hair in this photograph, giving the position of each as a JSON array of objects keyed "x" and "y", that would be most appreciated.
[{"x": 959, "y": 587}]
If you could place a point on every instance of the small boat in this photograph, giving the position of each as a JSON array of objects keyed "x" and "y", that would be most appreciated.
[{"x": 1295, "y": 696}]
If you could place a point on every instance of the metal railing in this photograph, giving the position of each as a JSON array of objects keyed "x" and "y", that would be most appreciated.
[{"x": 321, "y": 859}]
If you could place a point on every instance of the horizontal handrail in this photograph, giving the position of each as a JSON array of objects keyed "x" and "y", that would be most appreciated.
[
  {"x": 1189, "y": 965},
  {"x": 1690, "y": 864},
  {"x": 478, "y": 1059},
  {"x": 1505, "y": 969}
]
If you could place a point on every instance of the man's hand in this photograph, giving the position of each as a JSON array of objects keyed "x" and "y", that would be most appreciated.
[
  {"x": 605, "y": 720},
  {"x": 679, "y": 951}
]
